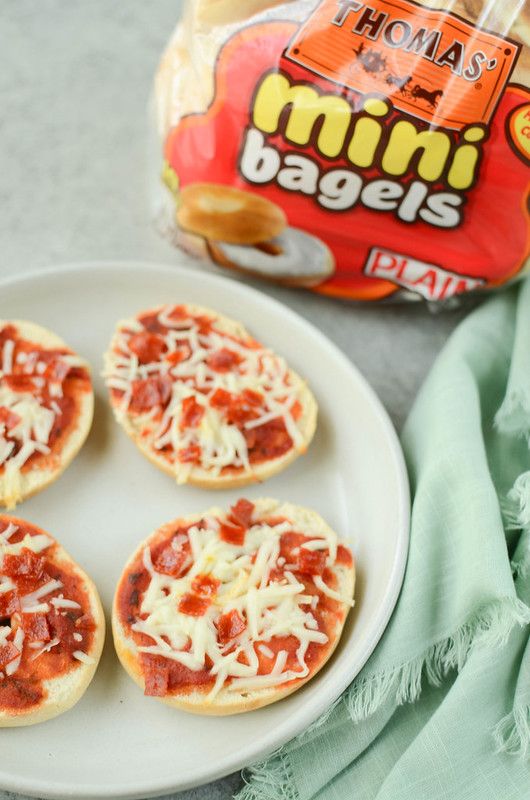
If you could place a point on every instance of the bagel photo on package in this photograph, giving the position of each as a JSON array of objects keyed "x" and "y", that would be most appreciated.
[
  {"x": 245, "y": 232},
  {"x": 52, "y": 626},
  {"x": 46, "y": 409},
  {"x": 227, "y": 611},
  {"x": 203, "y": 400}
]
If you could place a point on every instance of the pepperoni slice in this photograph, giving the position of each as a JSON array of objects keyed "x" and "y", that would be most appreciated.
[
  {"x": 180, "y": 355},
  {"x": 190, "y": 455},
  {"x": 9, "y": 604},
  {"x": 59, "y": 626},
  {"x": 241, "y": 411},
  {"x": 84, "y": 623},
  {"x": 344, "y": 556},
  {"x": 194, "y": 606},
  {"x": 289, "y": 542},
  {"x": 20, "y": 383},
  {"x": 147, "y": 346},
  {"x": 179, "y": 314},
  {"x": 36, "y": 627},
  {"x": 223, "y": 360},
  {"x": 57, "y": 370},
  {"x": 63, "y": 625},
  {"x": 232, "y": 534},
  {"x": 205, "y": 586},
  {"x": 26, "y": 565},
  {"x": 156, "y": 675},
  {"x": 296, "y": 410},
  {"x": 252, "y": 397},
  {"x": 8, "y": 418},
  {"x": 149, "y": 393},
  {"x": 150, "y": 323},
  {"x": 171, "y": 562},
  {"x": 268, "y": 441},
  {"x": 312, "y": 562},
  {"x": 165, "y": 387},
  {"x": 204, "y": 323},
  {"x": 181, "y": 676},
  {"x": 229, "y": 626},
  {"x": 8, "y": 653},
  {"x": 7, "y": 332},
  {"x": 221, "y": 399},
  {"x": 192, "y": 413},
  {"x": 241, "y": 513}
]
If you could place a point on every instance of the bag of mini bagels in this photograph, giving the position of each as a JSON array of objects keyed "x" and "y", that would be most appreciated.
[{"x": 366, "y": 150}]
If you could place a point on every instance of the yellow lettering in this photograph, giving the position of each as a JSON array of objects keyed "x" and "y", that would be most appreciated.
[
  {"x": 405, "y": 141},
  {"x": 463, "y": 169},
  {"x": 367, "y": 134},
  {"x": 303, "y": 116},
  {"x": 304, "y": 108}
]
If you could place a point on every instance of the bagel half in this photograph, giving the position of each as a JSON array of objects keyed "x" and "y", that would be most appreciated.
[
  {"x": 229, "y": 214},
  {"x": 48, "y": 655},
  {"x": 203, "y": 400},
  {"x": 210, "y": 615},
  {"x": 46, "y": 409}
]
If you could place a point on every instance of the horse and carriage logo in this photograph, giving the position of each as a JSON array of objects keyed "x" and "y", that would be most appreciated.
[{"x": 375, "y": 64}]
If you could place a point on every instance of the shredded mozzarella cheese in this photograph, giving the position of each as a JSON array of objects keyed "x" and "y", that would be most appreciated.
[
  {"x": 63, "y": 602},
  {"x": 83, "y": 657}
]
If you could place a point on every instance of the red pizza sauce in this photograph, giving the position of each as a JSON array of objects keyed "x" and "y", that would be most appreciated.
[
  {"x": 36, "y": 370},
  {"x": 73, "y": 627}
]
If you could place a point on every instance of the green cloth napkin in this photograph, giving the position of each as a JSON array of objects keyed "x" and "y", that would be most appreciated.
[{"x": 458, "y": 642}]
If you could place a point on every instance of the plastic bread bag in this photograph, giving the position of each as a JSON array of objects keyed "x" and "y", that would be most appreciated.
[{"x": 365, "y": 150}]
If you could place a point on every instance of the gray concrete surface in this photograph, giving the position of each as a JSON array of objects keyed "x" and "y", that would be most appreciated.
[{"x": 74, "y": 81}]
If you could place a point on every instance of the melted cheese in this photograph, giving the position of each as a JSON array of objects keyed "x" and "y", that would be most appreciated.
[
  {"x": 222, "y": 444},
  {"x": 272, "y": 608}
]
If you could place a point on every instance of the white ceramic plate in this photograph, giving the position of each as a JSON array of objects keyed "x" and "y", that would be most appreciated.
[{"x": 115, "y": 742}]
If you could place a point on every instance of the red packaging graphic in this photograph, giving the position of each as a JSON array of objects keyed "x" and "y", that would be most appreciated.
[{"x": 365, "y": 150}]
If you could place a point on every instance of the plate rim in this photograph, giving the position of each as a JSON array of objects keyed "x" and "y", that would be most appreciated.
[{"x": 270, "y": 742}]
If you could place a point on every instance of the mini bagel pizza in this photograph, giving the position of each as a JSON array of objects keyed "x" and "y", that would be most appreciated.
[
  {"x": 51, "y": 626},
  {"x": 46, "y": 408},
  {"x": 225, "y": 612},
  {"x": 203, "y": 400}
]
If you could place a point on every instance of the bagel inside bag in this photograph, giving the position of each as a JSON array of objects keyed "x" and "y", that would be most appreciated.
[{"x": 369, "y": 151}]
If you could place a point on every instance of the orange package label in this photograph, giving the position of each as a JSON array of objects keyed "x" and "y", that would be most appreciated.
[{"x": 424, "y": 60}]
